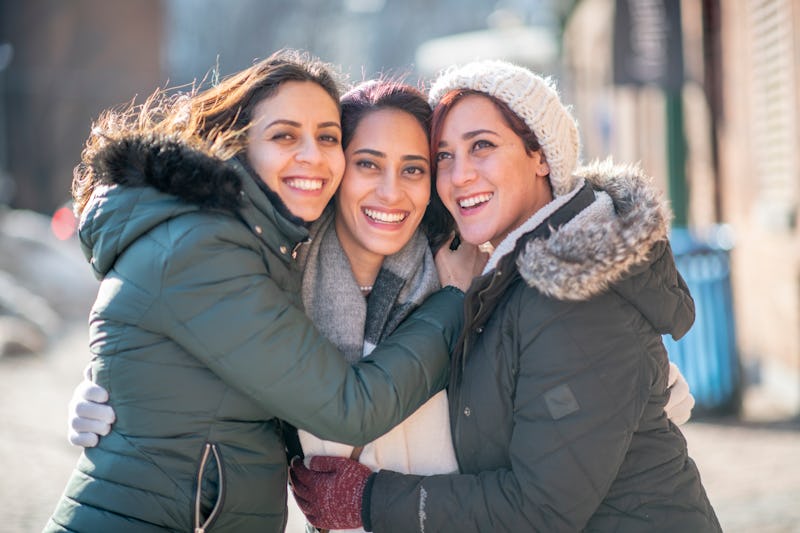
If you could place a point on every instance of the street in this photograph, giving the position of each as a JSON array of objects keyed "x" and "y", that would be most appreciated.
[{"x": 751, "y": 469}]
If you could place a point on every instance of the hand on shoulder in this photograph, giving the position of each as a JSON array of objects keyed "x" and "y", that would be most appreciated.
[{"x": 459, "y": 262}]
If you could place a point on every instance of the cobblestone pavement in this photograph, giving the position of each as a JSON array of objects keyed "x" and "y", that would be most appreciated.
[{"x": 751, "y": 469}]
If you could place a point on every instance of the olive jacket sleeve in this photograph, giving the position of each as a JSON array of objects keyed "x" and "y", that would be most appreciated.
[{"x": 217, "y": 300}]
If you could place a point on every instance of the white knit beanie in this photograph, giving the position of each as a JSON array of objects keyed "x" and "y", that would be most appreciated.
[{"x": 534, "y": 99}]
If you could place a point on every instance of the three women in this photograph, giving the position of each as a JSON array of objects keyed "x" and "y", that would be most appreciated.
[{"x": 496, "y": 177}]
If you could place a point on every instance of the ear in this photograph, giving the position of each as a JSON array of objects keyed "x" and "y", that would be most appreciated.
[{"x": 542, "y": 168}]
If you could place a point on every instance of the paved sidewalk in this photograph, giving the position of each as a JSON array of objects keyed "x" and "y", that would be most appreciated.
[{"x": 751, "y": 470}]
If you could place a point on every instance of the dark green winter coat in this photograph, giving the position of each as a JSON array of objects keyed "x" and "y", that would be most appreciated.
[
  {"x": 198, "y": 337},
  {"x": 558, "y": 389}
]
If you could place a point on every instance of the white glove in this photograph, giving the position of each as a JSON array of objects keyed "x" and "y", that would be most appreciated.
[
  {"x": 88, "y": 417},
  {"x": 680, "y": 403}
]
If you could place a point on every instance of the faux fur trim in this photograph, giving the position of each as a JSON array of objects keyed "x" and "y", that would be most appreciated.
[
  {"x": 597, "y": 247},
  {"x": 507, "y": 245},
  {"x": 172, "y": 167}
]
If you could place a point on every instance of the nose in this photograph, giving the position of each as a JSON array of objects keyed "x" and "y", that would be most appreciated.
[
  {"x": 388, "y": 188},
  {"x": 461, "y": 171},
  {"x": 308, "y": 151}
]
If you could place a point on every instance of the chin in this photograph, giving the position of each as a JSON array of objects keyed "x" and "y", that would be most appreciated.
[
  {"x": 381, "y": 249},
  {"x": 307, "y": 214},
  {"x": 475, "y": 237}
]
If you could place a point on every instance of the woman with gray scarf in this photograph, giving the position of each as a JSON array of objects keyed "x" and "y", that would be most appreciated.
[{"x": 369, "y": 264}]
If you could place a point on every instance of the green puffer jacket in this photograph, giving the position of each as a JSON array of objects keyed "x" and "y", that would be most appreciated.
[
  {"x": 198, "y": 336},
  {"x": 557, "y": 394}
]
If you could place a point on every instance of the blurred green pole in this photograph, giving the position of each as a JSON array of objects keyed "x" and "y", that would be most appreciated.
[{"x": 676, "y": 158}]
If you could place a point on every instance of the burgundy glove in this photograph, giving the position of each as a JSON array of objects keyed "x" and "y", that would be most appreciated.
[{"x": 329, "y": 490}]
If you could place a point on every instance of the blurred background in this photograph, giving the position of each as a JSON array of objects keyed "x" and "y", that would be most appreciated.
[{"x": 702, "y": 93}]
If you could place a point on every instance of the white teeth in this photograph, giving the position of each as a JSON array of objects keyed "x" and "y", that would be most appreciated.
[
  {"x": 380, "y": 216},
  {"x": 475, "y": 200},
  {"x": 305, "y": 184}
]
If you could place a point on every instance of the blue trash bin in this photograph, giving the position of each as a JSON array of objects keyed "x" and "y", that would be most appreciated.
[{"x": 707, "y": 355}]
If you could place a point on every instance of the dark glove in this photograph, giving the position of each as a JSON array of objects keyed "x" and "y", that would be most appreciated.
[{"x": 329, "y": 490}]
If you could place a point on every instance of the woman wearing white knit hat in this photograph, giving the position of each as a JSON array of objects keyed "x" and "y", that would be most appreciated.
[{"x": 560, "y": 377}]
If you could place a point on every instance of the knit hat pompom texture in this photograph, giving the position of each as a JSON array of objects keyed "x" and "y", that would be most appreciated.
[{"x": 534, "y": 99}]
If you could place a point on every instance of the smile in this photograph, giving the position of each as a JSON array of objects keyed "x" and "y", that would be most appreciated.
[
  {"x": 305, "y": 184},
  {"x": 384, "y": 217},
  {"x": 472, "y": 201}
]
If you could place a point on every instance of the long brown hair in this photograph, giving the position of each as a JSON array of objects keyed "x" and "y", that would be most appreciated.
[{"x": 212, "y": 120}]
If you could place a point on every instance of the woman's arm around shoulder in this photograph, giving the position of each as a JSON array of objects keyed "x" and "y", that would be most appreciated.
[{"x": 220, "y": 303}]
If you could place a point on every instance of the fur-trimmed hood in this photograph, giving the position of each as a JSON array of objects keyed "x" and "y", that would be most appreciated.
[
  {"x": 600, "y": 244},
  {"x": 619, "y": 241},
  {"x": 171, "y": 167},
  {"x": 142, "y": 181}
]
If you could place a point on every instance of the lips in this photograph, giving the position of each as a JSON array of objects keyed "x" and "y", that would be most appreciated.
[
  {"x": 470, "y": 202},
  {"x": 385, "y": 217},
  {"x": 305, "y": 184}
]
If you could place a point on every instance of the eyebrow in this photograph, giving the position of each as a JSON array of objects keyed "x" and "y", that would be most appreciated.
[
  {"x": 297, "y": 124},
  {"x": 378, "y": 153},
  {"x": 470, "y": 134}
]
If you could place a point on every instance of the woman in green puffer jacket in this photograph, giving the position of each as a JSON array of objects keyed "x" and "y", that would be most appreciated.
[{"x": 191, "y": 209}]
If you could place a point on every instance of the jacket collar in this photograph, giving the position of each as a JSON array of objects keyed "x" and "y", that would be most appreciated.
[
  {"x": 600, "y": 245},
  {"x": 258, "y": 207},
  {"x": 145, "y": 180},
  {"x": 553, "y": 215}
]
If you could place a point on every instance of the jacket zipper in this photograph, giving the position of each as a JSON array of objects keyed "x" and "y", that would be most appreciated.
[
  {"x": 198, "y": 527},
  {"x": 481, "y": 294},
  {"x": 481, "y": 302}
]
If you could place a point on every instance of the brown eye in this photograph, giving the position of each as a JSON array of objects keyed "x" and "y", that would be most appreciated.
[
  {"x": 482, "y": 143},
  {"x": 366, "y": 163}
]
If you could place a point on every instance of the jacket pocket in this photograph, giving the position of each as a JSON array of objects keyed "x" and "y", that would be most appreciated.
[{"x": 210, "y": 489}]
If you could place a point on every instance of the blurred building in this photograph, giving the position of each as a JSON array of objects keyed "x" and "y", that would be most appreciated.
[
  {"x": 724, "y": 145},
  {"x": 67, "y": 61},
  {"x": 760, "y": 178}
]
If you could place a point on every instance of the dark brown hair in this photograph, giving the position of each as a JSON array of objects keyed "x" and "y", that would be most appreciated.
[{"x": 375, "y": 95}]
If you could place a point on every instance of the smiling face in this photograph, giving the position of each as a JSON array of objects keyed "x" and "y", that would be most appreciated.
[
  {"x": 485, "y": 177},
  {"x": 386, "y": 185},
  {"x": 294, "y": 145}
]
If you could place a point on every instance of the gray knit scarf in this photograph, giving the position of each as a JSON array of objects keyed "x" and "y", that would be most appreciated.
[{"x": 334, "y": 302}]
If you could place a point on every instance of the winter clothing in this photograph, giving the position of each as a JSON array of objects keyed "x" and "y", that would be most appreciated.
[
  {"x": 558, "y": 386},
  {"x": 201, "y": 342},
  {"x": 330, "y": 292},
  {"x": 331, "y": 486},
  {"x": 90, "y": 417},
  {"x": 534, "y": 99},
  {"x": 421, "y": 444}
]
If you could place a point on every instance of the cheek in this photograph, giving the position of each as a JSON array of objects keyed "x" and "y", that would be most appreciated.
[
  {"x": 352, "y": 187},
  {"x": 442, "y": 186},
  {"x": 259, "y": 158},
  {"x": 423, "y": 195},
  {"x": 337, "y": 164}
]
